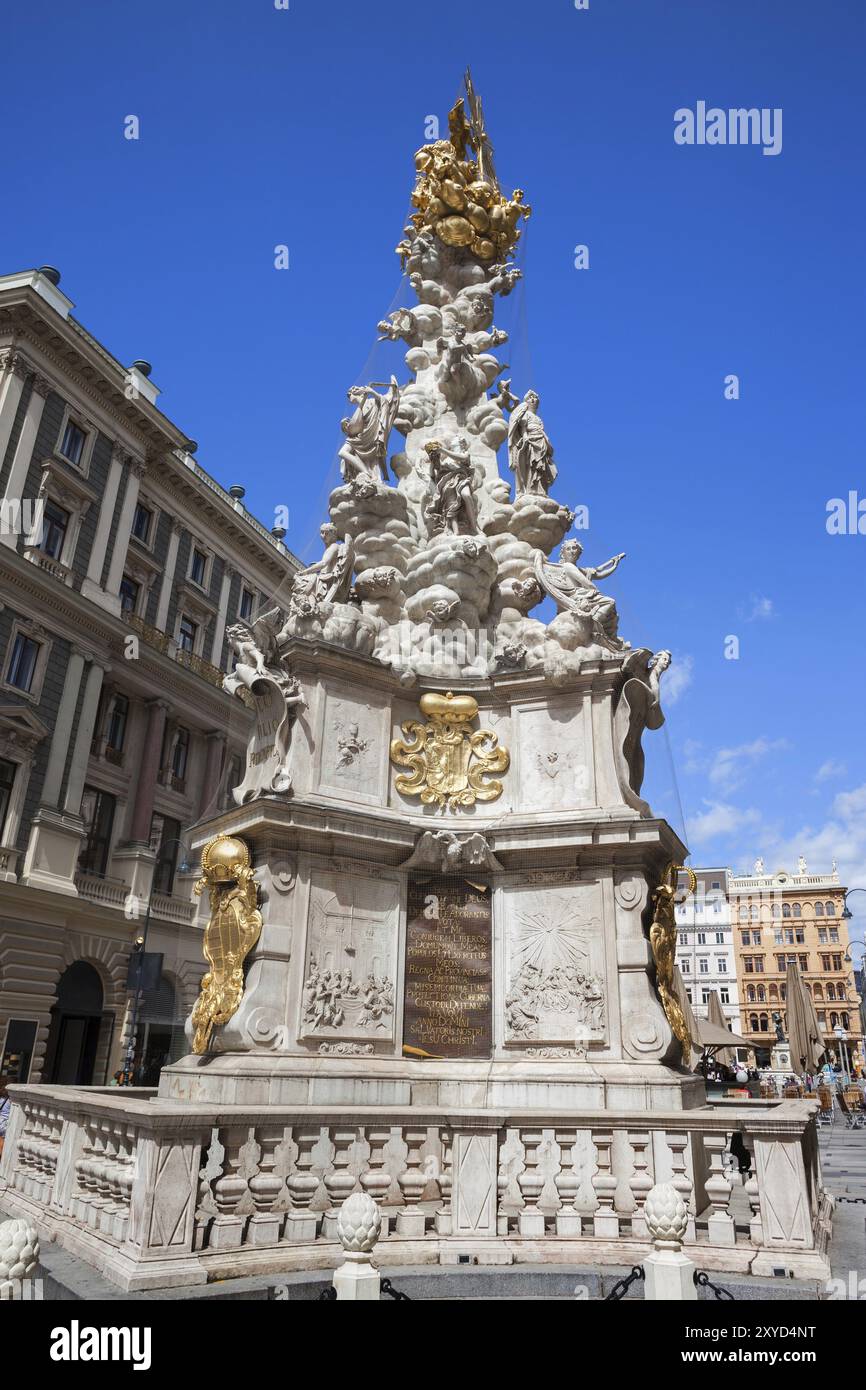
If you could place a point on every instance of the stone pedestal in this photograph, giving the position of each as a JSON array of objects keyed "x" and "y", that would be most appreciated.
[{"x": 670, "y": 1275}]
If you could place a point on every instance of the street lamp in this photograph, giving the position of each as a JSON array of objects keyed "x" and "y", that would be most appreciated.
[
  {"x": 141, "y": 941},
  {"x": 846, "y": 911}
]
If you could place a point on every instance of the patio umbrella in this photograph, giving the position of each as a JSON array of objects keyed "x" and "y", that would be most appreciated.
[
  {"x": 815, "y": 1026},
  {"x": 804, "y": 1037},
  {"x": 680, "y": 988},
  {"x": 716, "y": 1015}
]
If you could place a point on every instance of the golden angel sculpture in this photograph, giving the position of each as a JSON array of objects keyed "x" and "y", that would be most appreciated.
[
  {"x": 663, "y": 939},
  {"x": 233, "y": 930}
]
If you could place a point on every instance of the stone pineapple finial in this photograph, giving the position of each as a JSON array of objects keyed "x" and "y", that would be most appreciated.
[{"x": 666, "y": 1216}]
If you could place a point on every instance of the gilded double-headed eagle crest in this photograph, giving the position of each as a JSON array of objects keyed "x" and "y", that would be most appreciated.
[{"x": 451, "y": 764}]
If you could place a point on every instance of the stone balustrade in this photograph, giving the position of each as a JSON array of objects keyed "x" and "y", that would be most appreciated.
[{"x": 176, "y": 1194}]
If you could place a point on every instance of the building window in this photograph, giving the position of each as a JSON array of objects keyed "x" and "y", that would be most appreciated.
[
  {"x": 55, "y": 524},
  {"x": 837, "y": 962},
  {"x": 72, "y": 444},
  {"x": 720, "y": 937},
  {"x": 705, "y": 996},
  {"x": 141, "y": 523},
  {"x": 703, "y": 966},
  {"x": 724, "y": 994},
  {"x": 22, "y": 662},
  {"x": 745, "y": 938},
  {"x": 164, "y": 841},
  {"x": 825, "y": 962},
  {"x": 721, "y": 966},
  {"x": 7, "y": 782},
  {"x": 129, "y": 592},
  {"x": 187, "y": 633},
  {"x": 798, "y": 911},
  {"x": 198, "y": 567},
  {"x": 822, "y": 1018},
  {"x": 759, "y": 964},
  {"x": 702, "y": 938},
  {"x": 753, "y": 1023},
  {"x": 822, "y": 935},
  {"x": 115, "y": 733},
  {"x": 834, "y": 933},
  {"x": 786, "y": 909},
  {"x": 245, "y": 610},
  {"x": 97, "y": 812},
  {"x": 819, "y": 909},
  {"x": 829, "y": 910}
]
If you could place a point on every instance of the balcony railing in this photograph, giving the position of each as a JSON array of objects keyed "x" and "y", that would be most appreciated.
[{"x": 161, "y": 641}]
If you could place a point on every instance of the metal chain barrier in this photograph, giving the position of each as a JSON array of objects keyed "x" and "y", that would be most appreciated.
[
  {"x": 703, "y": 1281},
  {"x": 388, "y": 1288},
  {"x": 622, "y": 1286}
]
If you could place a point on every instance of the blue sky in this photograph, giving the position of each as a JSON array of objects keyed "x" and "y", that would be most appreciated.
[{"x": 261, "y": 126}]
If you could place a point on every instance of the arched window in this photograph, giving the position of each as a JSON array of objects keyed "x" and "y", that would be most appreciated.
[
  {"x": 762, "y": 995},
  {"x": 819, "y": 909},
  {"x": 786, "y": 909},
  {"x": 763, "y": 1023},
  {"x": 798, "y": 911},
  {"x": 784, "y": 992},
  {"x": 753, "y": 1023},
  {"x": 830, "y": 909},
  {"x": 831, "y": 990},
  {"x": 774, "y": 994},
  {"x": 834, "y": 1020},
  {"x": 819, "y": 991},
  {"x": 754, "y": 914},
  {"x": 777, "y": 911},
  {"x": 845, "y": 1021},
  {"x": 751, "y": 994}
]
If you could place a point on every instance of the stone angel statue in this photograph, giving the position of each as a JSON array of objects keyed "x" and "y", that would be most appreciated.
[
  {"x": 255, "y": 649},
  {"x": 530, "y": 452},
  {"x": 327, "y": 580},
  {"x": 452, "y": 506},
  {"x": 573, "y": 590},
  {"x": 367, "y": 430}
]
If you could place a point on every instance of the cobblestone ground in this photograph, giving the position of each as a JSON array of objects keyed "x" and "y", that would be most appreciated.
[{"x": 843, "y": 1161}]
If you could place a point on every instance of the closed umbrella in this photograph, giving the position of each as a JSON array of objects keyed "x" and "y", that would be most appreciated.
[
  {"x": 716, "y": 1015},
  {"x": 804, "y": 1038},
  {"x": 680, "y": 988}
]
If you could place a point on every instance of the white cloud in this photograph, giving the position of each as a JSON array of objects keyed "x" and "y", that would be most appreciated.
[
  {"x": 677, "y": 679},
  {"x": 831, "y": 768},
  {"x": 759, "y": 609},
  {"x": 719, "y": 821},
  {"x": 730, "y": 765}
]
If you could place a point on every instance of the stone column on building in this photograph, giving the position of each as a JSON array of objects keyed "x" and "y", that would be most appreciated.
[
  {"x": 216, "y": 745},
  {"x": 168, "y": 576},
  {"x": 222, "y": 612},
  {"x": 142, "y": 811},
  {"x": 17, "y": 480},
  {"x": 91, "y": 586},
  {"x": 83, "y": 739},
  {"x": 124, "y": 529},
  {"x": 62, "y": 734},
  {"x": 14, "y": 368}
]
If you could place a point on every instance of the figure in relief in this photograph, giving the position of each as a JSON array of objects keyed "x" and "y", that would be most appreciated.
[
  {"x": 452, "y": 507},
  {"x": 573, "y": 590},
  {"x": 530, "y": 452},
  {"x": 329, "y": 579},
  {"x": 663, "y": 939},
  {"x": 367, "y": 431}
]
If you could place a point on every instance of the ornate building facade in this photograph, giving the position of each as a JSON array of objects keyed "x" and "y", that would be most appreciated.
[
  {"x": 783, "y": 917},
  {"x": 705, "y": 946},
  {"x": 119, "y": 578}
]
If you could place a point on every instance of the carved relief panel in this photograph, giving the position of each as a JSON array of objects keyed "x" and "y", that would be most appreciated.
[
  {"x": 350, "y": 954},
  {"x": 554, "y": 756},
  {"x": 555, "y": 982},
  {"x": 352, "y": 749}
]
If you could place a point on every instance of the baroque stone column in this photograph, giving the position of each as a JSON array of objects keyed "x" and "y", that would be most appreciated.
[
  {"x": 14, "y": 368},
  {"x": 139, "y": 831},
  {"x": 124, "y": 528},
  {"x": 17, "y": 479},
  {"x": 83, "y": 739},
  {"x": 92, "y": 585},
  {"x": 168, "y": 576},
  {"x": 216, "y": 743}
]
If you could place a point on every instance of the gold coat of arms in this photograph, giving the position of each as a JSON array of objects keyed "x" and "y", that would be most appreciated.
[{"x": 451, "y": 764}]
